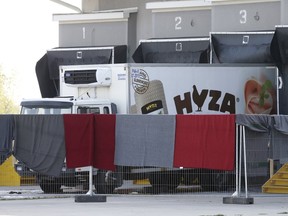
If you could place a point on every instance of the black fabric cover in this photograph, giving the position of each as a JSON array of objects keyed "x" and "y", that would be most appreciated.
[
  {"x": 49, "y": 88},
  {"x": 279, "y": 45},
  {"x": 229, "y": 48},
  {"x": 283, "y": 92},
  {"x": 120, "y": 54},
  {"x": 6, "y": 136},
  {"x": 194, "y": 51},
  {"x": 279, "y": 51}
]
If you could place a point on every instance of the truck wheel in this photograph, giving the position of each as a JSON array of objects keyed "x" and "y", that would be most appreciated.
[
  {"x": 164, "y": 181},
  {"x": 105, "y": 182},
  {"x": 216, "y": 181},
  {"x": 50, "y": 186}
]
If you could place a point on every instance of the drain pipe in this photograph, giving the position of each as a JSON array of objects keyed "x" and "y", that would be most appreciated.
[{"x": 65, "y": 4}]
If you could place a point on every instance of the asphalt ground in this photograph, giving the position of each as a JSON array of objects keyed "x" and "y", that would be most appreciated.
[{"x": 32, "y": 201}]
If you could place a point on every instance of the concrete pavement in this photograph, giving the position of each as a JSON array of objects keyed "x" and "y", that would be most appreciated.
[{"x": 198, "y": 204}]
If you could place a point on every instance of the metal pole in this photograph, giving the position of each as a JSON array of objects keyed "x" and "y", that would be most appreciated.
[
  {"x": 245, "y": 165},
  {"x": 90, "y": 192},
  {"x": 237, "y": 162},
  {"x": 240, "y": 158}
]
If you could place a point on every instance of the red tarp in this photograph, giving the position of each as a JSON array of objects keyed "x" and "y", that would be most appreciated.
[
  {"x": 79, "y": 139},
  {"x": 205, "y": 141},
  {"x": 104, "y": 147},
  {"x": 90, "y": 140}
]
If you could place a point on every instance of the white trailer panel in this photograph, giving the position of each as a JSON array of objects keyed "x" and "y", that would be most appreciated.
[{"x": 204, "y": 89}]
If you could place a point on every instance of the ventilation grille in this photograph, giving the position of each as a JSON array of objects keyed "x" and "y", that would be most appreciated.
[{"x": 80, "y": 76}]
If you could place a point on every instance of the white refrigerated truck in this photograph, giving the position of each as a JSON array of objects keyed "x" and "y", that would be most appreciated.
[
  {"x": 176, "y": 88},
  {"x": 155, "y": 89}
]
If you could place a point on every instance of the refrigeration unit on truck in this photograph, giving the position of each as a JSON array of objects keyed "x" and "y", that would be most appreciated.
[{"x": 162, "y": 89}]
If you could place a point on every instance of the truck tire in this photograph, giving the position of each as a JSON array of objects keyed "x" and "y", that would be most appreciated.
[
  {"x": 50, "y": 186},
  {"x": 105, "y": 182},
  {"x": 162, "y": 182},
  {"x": 216, "y": 181}
]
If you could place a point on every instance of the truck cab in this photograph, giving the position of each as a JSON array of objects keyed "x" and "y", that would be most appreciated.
[
  {"x": 58, "y": 106},
  {"x": 67, "y": 105}
]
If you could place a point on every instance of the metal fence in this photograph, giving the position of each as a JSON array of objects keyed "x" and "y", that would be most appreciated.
[
  {"x": 261, "y": 160},
  {"x": 127, "y": 180}
]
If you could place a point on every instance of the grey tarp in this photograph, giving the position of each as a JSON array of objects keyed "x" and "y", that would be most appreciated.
[
  {"x": 6, "y": 136},
  {"x": 258, "y": 137},
  {"x": 40, "y": 143},
  {"x": 145, "y": 140},
  {"x": 258, "y": 123},
  {"x": 264, "y": 130},
  {"x": 280, "y": 139}
]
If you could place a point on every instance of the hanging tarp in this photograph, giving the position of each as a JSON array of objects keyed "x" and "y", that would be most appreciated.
[
  {"x": 82, "y": 132},
  {"x": 6, "y": 136},
  {"x": 47, "y": 68},
  {"x": 258, "y": 130},
  {"x": 194, "y": 50},
  {"x": 39, "y": 142},
  {"x": 205, "y": 141},
  {"x": 269, "y": 133},
  {"x": 241, "y": 47},
  {"x": 145, "y": 140},
  {"x": 280, "y": 138},
  {"x": 104, "y": 143},
  {"x": 279, "y": 47},
  {"x": 257, "y": 123},
  {"x": 48, "y": 87}
]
